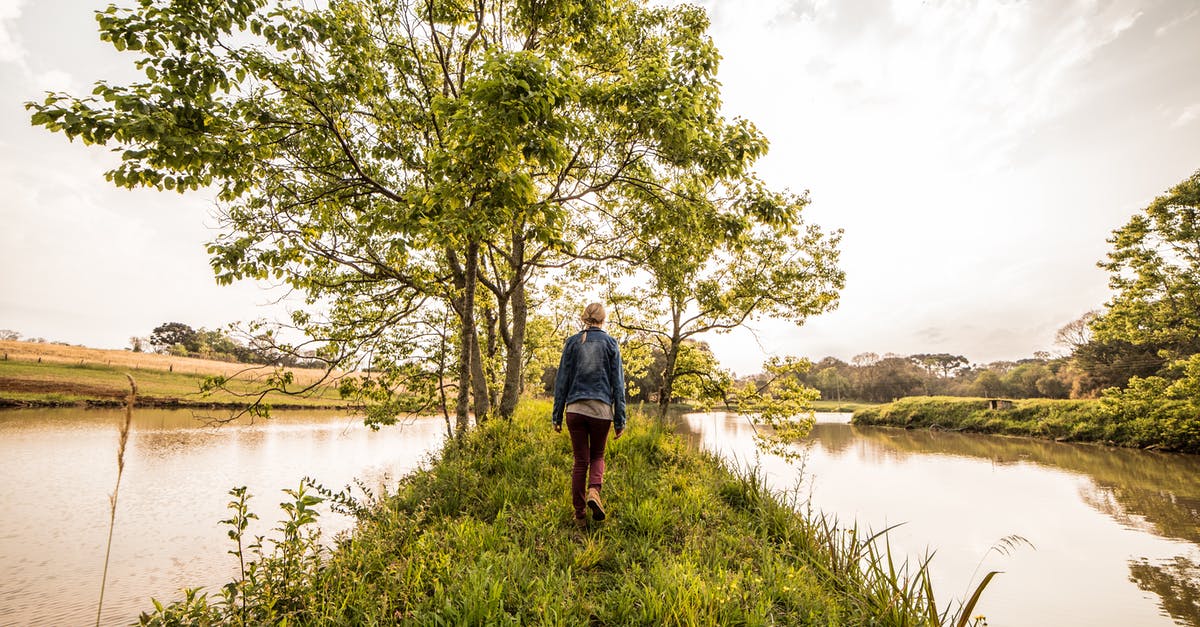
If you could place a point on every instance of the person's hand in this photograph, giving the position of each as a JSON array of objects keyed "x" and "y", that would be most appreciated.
[
  {"x": 618, "y": 434},
  {"x": 557, "y": 428}
]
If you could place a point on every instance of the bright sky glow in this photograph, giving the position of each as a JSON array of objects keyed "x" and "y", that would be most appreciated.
[{"x": 977, "y": 155}]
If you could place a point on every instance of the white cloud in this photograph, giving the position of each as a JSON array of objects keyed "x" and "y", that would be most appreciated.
[
  {"x": 11, "y": 50},
  {"x": 1165, "y": 28},
  {"x": 1187, "y": 115},
  {"x": 54, "y": 80}
]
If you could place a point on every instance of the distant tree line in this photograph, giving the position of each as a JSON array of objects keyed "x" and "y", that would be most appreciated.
[
  {"x": 870, "y": 377},
  {"x": 177, "y": 338},
  {"x": 1142, "y": 346}
]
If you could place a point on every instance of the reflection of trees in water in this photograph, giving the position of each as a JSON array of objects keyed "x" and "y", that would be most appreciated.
[
  {"x": 1176, "y": 582},
  {"x": 833, "y": 437},
  {"x": 1161, "y": 489}
]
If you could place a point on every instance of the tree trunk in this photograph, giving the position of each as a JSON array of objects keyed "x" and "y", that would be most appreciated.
[
  {"x": 493, "y": 384},
  {"x": 514, "y": 363},
  {"x": 467, "y": 340},
  {"x": 479, "y": 383},
  {"x": 664, "y": 395}
]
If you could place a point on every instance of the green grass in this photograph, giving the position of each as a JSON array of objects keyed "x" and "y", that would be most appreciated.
[
  {"x": 31, "y": 383},
  {"x": 841, "y": 406},
  {"x": 1102, "y": 421},
  {"x": 484, "y": 536}
]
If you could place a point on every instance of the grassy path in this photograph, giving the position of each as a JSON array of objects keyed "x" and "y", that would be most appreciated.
[{"x": 484, "y": 536}]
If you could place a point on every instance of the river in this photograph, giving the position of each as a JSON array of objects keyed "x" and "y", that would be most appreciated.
[
  {"x": 59, "y": 466},
  {"x": 1113, "y": 535},
  {"x": 1110, "y": 537}
]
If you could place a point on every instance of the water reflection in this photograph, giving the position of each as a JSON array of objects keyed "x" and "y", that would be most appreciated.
[
  {"x": 1158, "y": 492},
  {"x": 1111, "y": 526},
  {"x": 59, "y": 466},
  {"x": 1175, "y": 582}
]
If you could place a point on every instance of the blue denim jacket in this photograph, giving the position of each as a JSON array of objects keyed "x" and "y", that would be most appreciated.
[{"x": 590, "y": 369}]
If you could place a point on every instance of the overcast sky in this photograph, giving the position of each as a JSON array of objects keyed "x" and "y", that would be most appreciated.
[{"x": 977, "y": 155}]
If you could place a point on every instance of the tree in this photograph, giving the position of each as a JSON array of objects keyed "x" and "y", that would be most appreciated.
[
  {"x": 8, "y": 335},
  {"x": 938, "y": 364},
  {"x": 942, "y": 364},
  {"x": 169, "y": 334},
  {"x": 1077, "y": 332},
  {"x": 831, "y": 382},
  {"x": 1154, "y": 269},
  {"x": 720, "y": 253},
  {"x": 1113, "y": 363},
  {"x": 988, "y": 383},
  {"x": 393, "y": 159},
  {"x": 890, "y": 378}
]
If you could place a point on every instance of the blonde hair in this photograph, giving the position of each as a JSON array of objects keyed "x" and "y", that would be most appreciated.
[{"x": 593, "y": 314}]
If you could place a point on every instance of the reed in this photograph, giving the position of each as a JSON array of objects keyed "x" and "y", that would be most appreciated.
[{"x": 112, "y": 498}]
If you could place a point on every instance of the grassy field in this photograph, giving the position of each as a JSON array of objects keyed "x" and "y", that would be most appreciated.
[
  {"x": 1099, "y": 421},
  {"x": 33, "y": 374},
  {"x": 484, "y": 536},
  {"x": 841, "y": 406}
]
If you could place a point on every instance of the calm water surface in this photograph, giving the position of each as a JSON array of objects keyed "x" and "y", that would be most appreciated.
[
  {"x": 1115, "y": 533},
  {"x": 58, "y": 468}
]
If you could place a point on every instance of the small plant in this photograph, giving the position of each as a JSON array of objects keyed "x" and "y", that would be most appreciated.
[
  {"x": 272, "y": 588},
  {"x": 235, "y": 591}
]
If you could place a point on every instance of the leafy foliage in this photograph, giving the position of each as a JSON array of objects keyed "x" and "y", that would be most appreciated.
[
  {"x": 409, "y": 166},
  {"x": 1154, "y": 268},
  {"x": 780, "y": 407}
]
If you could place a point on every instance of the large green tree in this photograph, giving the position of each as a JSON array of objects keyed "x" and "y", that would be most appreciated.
[
  {"x": 713, "y": 254},
  {"x": 1154, "y": 269},
  {"x": 400, "y": 160}
]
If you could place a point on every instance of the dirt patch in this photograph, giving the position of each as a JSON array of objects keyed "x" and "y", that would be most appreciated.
[{"x": 30, "y": 386}]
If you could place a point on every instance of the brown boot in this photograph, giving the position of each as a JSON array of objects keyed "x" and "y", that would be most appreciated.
[
  {"x": 581, "y": 523},
  {"x": 594, "y": 504}
]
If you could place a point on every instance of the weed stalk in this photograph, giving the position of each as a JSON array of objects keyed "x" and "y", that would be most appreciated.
[{"x": 112, "y": 498}]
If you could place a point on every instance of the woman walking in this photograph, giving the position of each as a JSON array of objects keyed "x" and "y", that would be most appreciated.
[{"x": 590, "y": 391}]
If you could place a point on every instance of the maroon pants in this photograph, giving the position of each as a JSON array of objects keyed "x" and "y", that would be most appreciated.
[{"x": 588, "y": 437}]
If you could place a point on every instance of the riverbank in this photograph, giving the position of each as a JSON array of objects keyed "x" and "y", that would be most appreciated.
[
  {"x": 46, "y": 375},
  {"x": 841, "y": 407},
  {"x": 484, "y": 535},
  {"x": 1102, "y": 421}
]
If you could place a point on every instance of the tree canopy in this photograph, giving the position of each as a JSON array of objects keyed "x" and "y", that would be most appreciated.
[
  {"x": 1154, "y": 268},
  {"x": 411, "y": 166}
]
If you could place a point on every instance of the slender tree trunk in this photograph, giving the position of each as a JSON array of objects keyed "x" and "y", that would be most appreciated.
[
  {"x": 441, "y": 371},
  {"x": 479, "y": 383},
  {"x": 493, "y": 383},
  {"x": 467, "y": 341},
  {"x": 515, "y": 356},
  {"x": 664, "y": 396}
]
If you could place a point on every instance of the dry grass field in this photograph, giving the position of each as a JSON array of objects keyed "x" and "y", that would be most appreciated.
[
  {"x": 51, "y": 374},
  {"x": 79, "y": 355}
]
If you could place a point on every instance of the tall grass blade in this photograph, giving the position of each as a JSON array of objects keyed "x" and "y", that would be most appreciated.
[
  {"x": 112, "y": 499},
  {"x": 970, "y": 606}
]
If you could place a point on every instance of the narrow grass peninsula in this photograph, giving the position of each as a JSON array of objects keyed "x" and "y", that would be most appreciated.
[{"x": 483, "y": 536}]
